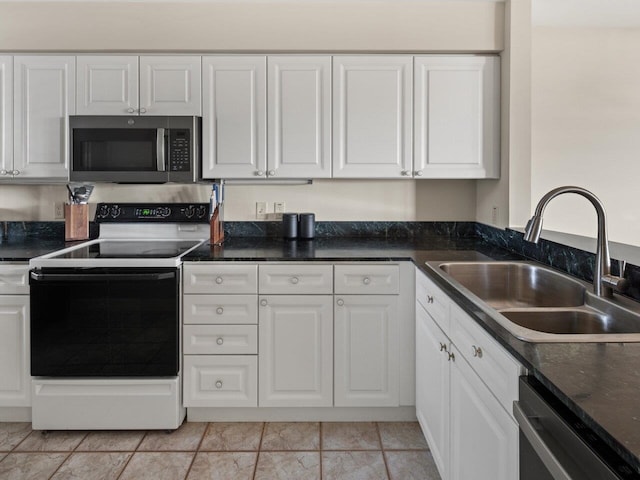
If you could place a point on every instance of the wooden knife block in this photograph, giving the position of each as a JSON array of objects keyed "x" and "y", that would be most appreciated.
[
  {"x": 217, "y": 227},
  {"x": 76, "y": 222}
]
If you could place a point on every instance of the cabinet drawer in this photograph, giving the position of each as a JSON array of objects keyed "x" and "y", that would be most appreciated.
[
  {"x": 435, "y": 302},
  {"x": 221, "y": 381},
  {"x": 497, "y": 369},
  {"x": 221, "y": 339},
  {"x": 296, "y": 279},
  {"x": 208, "y": 278},
  {"x": 367, "y": 279},
  {"x": 220, "y": 309},
  {"x": 14, "y": 279}
]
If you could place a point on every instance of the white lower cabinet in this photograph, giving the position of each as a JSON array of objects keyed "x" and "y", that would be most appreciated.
[
  {"x": 366, "y": 351},
  {"x": 296, "y": 350},
  {"x": 15, "y": 375},
  {"x": 464, "y": 392}
]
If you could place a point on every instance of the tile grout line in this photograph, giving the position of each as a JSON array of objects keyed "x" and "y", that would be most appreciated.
[
  {"x": 69, "y": 455},
  {"x": 255, "y": 466},
  {"x": 320, "y": 447},
  {"x": 132, "y": 455},
  {"x": 382, "y": 450},
  {"x": 197, "y": 450},
  {"x": 21, "y": 441}
]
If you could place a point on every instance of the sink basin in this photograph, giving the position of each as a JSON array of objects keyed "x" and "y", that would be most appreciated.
[
  {"x": 513, "y": 284},
  {"x": 537, "y": 304}
]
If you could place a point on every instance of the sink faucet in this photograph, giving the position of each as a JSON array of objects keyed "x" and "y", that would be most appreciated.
[{"x": 603, "y": 281}]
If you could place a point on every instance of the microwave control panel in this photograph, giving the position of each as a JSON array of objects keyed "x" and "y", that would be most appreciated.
[{"x": 179, "y": 150}]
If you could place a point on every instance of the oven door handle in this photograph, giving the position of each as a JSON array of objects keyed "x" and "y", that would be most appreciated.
[
  {"x": 99, "y": 277},
  {"x": 550, "y": 461}
]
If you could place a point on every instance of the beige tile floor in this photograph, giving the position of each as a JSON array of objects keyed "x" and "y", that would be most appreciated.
[{"x": 221, "y": 451}]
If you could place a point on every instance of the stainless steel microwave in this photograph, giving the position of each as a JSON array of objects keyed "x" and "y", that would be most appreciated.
[{"x": 132, "y": 149}]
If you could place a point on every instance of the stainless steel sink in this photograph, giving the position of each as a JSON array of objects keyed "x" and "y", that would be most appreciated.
[
  {"x": 509, "y": 284},
  {"x": 538, "y": 304}
]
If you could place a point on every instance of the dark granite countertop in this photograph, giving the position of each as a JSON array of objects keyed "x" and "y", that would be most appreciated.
[{"x": 599, "y": 382}]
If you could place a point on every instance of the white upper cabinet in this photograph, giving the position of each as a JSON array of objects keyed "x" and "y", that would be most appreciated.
[
  {"x": 299, "y": 116},
  {"x": 456, "y": 117},
  {"x": 146, "y": 85},
  {"x": 234, "y": 117},
  {"x": 372, "y": 110},
  {"x": 44, "y": 97},
  {"x": 171, "y": 85},
  {"x": 6, "y": 116}
]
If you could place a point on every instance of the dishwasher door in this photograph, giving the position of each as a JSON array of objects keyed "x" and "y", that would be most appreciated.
[{"x": 556, "y": 445}]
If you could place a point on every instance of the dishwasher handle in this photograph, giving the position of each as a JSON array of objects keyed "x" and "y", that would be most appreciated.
[
  {"x": 99, "y": 277},
  {"x": 527, "y": 428}
]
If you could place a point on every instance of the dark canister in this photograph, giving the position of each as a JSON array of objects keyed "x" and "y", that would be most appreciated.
[
  {"x": 306, "y": 225},
  {"x": 289, "y": 225}
]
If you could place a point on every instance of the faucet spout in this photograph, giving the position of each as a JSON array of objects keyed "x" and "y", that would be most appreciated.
[{"x": 602, "y": 268}]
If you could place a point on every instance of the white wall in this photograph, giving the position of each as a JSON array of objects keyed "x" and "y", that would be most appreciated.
[
  {"x": 586, "y": 126},
  {"x": 240, "y": 26}
]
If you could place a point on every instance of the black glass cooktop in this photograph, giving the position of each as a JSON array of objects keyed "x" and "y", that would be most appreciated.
[{"x": 131, "y": 249}]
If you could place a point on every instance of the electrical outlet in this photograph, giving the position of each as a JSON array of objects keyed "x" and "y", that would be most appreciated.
[
  {"x": 494, "y": 215},
  {"x": 278, "y": 210},
  {"x": 261, "y": 210},
  {"x": 58, "y": 211}
]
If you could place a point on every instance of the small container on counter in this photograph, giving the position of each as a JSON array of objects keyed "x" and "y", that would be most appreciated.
[
  {"x": 289, "y": 225},
  {"x": 306, "y": 226}
]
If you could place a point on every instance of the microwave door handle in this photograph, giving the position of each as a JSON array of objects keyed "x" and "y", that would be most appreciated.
[{"x": 160, "y": 149}]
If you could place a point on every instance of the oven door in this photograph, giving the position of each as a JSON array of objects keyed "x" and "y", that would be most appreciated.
[{"x": 104, "y": 322}]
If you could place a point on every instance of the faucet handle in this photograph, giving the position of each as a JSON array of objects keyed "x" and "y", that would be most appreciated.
[
  {"x": 622, "y": 265},
  {"x": 617, "y": 282}
]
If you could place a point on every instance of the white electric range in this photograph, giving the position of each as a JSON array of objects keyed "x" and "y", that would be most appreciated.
[{"x": 105, "y": 321}]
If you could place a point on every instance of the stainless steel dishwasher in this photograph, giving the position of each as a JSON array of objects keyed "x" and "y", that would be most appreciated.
[{"x": 556, "y": 445}]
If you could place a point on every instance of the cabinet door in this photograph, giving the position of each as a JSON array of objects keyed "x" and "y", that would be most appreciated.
[
  {"x": 295, "y": 351},
  {"x": 44, "y": 97},
  {"x": 299, "y": 123},
  {"x": 6, "y": 116},
  {"x": 372, "y": 125},
  {"x": 366, "y": 351},
  {"x": 484, "y": 438},
  {"x": 107, "y": 85},
  {"x": 15, "y": 377},
  {"x": 234, "y": 117},
  {"x": 170, "y": 85},
  {"x": 456, "y": 120},
  {"x": 432, "y": 387}
]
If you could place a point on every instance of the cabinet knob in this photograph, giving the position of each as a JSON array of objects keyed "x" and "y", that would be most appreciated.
[
  {"x": 130, "y": 110},
  {"x": 263, "y": 302},
  {"x": 219, "y": 310},
  {"x": 259, "y": 173},
  {"x": 451, "y": 357},
  {"x": 295, "y": 280},
  {"x": 477, "y": 351},
  {"x": 219, "y": 280},
  {"x": 429, "y": 299},
  {"x": 443, "y": 347},
  {"x": 418, "y": 173},
  {"x": 15, "y": 172},
  {"x": 340, "y": 302},
  {"x": 271, "y": 173},
  {"x": 366, "y": 280},
  {"x": 3, "y": 172},
  {"x": 143, "y": 110},
  {"x": 406, "y": 173},
  {"x": 219, "y": 340},
  {"x": 219, "y": 384}
]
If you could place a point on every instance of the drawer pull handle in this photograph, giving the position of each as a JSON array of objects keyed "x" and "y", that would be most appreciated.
[
  {"x": 443, "y": 347},
  {"x": 219, "y": 310},
  {"x": 220, "y": 340},
  {"x": 477, "y": 351},
  {"x": 366, "y": 280},
  {"x": 340, "y": 302},
  {"x": 295, "y": 280},
  {"x": 219, "y": 280},
  {"x": 429, "y": 299},
  {"x": 263, "y": 302},
  {"x": 219, "y": 384},
  {"x": 452, "y": 357}
]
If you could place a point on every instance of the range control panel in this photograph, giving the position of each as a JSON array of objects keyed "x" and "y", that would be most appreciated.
[{"x": 152, "y": 212}]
